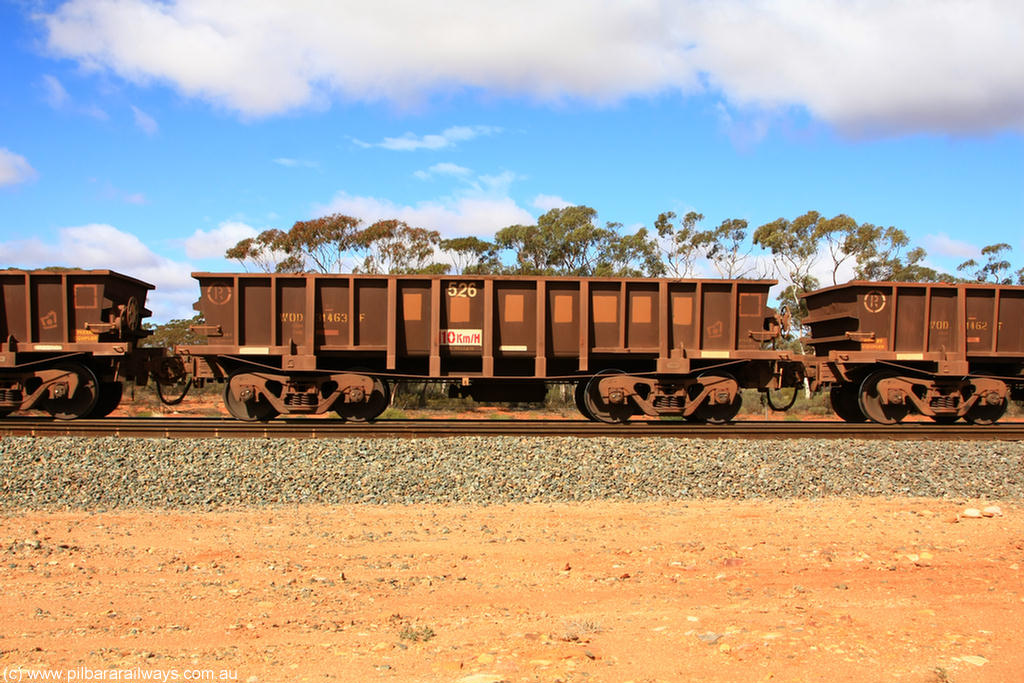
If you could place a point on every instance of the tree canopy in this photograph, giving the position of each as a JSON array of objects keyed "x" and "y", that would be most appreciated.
[
  {"x": 570, "y": 240},
  {"x": 996, "y": 268}
]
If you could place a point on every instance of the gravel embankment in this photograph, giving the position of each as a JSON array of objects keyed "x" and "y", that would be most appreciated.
[{"x": 109, "y": 473}]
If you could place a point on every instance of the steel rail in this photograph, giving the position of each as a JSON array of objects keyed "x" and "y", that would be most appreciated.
[{"x": 211, "y": 427}]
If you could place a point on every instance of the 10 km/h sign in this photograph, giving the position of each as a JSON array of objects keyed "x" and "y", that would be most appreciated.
[{"x": 462, "y": 337}]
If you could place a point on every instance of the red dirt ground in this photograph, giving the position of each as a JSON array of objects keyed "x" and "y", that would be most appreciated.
[{"x": 837, "y": 590}]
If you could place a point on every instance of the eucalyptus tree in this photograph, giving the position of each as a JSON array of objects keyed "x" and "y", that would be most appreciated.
[
  {"x": 394, "y": 246},
  {"x": 726, "y": 248},
  {"x": 569, "y": 241},
  {"x": 267, "y": 253},
  {"x": 472, "y": 255},
  {"x": 996, "y": 269},
  {"x": 680, "y": 243}
]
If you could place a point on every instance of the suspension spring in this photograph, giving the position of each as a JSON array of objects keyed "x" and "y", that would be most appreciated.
[{"x": 304, "y": 400}]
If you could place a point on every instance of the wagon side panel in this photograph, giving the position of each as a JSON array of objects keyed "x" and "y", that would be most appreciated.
[
  {"x": 1010, "y": 323},
  {"x": 15, "y": 320}
]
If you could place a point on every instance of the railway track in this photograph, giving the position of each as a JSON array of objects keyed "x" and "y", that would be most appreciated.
[{"x": 336, "y": 429}]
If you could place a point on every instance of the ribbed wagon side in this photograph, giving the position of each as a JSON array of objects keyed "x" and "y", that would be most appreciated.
[
  {"x": 947, "y": 351},
  {"x": 68, "y": 339},
  {"x": 312, "y": 343}
]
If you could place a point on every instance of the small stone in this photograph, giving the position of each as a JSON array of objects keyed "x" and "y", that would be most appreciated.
[
  {"x": 974, "y": 659},
  {"x": 485, "y": 658},
  {"x": 992, "y": 511},
  {"x": 710, "y": 637},
  {"x": 482, "y": 678},
  {"x": 972, "y": 513}
]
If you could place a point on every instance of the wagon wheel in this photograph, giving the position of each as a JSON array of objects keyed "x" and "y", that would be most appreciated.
[
  {"x": 845, "y": 403},
  {"x": 986, "y": 414},
  {"x": 366, "y": 411},
  {"x": 581, "y": 404},
  {"x": 109, "y": 399},
  {"x": 597, "y": 409},
  {"x": 719, "y": 413},
  {"x": 871, "y": 402},
  {"x": 82, "y": 402},
  {"x": 256, "y": 409}
]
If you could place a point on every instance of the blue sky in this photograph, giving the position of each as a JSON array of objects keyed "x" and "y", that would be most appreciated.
[{"x": 149, "y": 136}]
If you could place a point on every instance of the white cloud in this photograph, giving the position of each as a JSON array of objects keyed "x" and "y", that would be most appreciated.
[
  {"x": 443, "y": 169},
  {"x": 745, "y": 126},
  {"x": 446, "y": 138},
  {"x": 204, "y": 244},
  {"x": 95, "y": 112},
  {"x": 14, "y": 168},
  {"x": 55, "y": 94},
  {"x": 453, "y": 216},
  {"x": 105, "y": 247},
  {"x": 108, "y": 191},
  {"x": 546, "y": 202},
  {"x": 872, "y": 65},
  {"x": 945, "y": 246},
  {"x": 288, "y": 162},
  {"x": 146, "y": 123}
]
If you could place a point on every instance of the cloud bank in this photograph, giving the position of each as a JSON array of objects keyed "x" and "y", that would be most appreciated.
[
  {"x": 89, "y": 246},
  {"x": 211, "y": 244},
  {"x": 866, "y": 67}
]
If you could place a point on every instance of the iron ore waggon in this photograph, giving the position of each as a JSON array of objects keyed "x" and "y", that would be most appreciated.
[
  {"x": 68, "y": 339},
  {"x": 310, "y": 344},
  {"x": 946, "y": 351}
]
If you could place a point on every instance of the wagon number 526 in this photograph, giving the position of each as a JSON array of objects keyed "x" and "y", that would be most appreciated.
[{"x": 462, "y": 289}]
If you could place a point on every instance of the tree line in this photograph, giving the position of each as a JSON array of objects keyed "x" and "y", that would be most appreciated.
[{"x": 571, "y": 241}]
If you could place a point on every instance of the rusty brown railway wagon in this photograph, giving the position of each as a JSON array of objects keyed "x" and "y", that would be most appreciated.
[
  {"x": 68, "y": 339},
  {"x": 947, "y": 351},
  {"x": 313, "y": 343}
]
